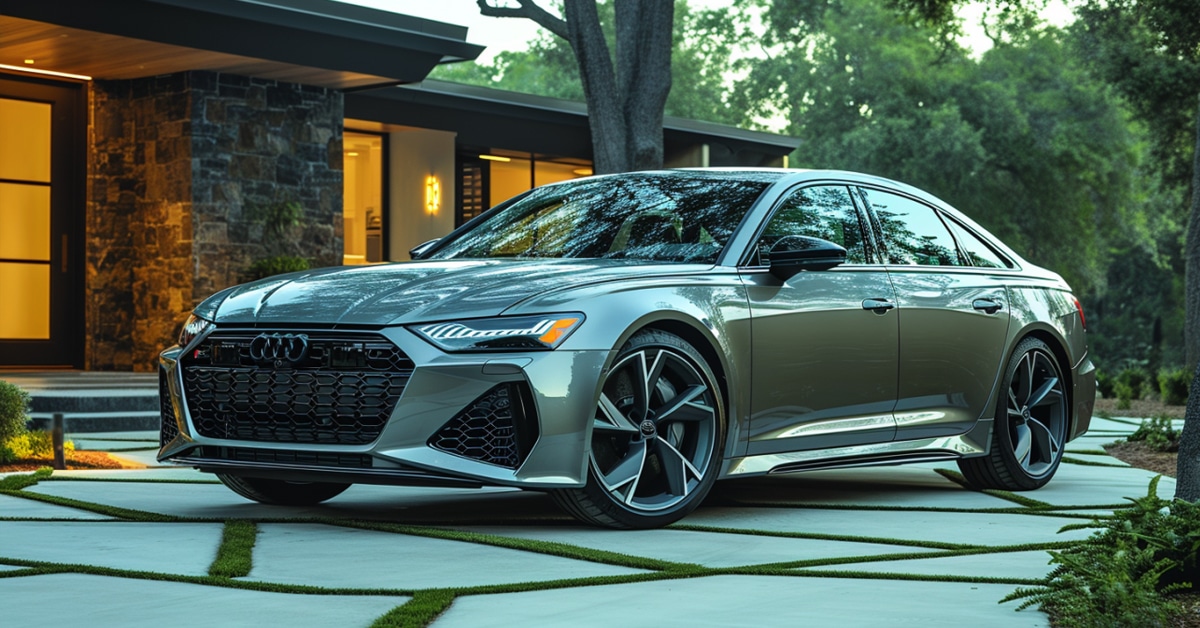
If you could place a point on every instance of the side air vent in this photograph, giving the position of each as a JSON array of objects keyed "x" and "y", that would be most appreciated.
[
  {"x": 168, "y": 429},
  {"x": 498, "y": 428}
]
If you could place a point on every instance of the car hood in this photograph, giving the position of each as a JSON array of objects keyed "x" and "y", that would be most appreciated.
[{"x": 409, "y": 292}]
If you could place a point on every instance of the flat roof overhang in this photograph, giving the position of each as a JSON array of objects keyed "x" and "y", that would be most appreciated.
[
  {"x": 501, "y": 119},
  {"x": 314, "y": 42}
]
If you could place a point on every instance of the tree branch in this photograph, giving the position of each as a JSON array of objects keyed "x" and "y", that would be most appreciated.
[{"x": 527, "y": 9}]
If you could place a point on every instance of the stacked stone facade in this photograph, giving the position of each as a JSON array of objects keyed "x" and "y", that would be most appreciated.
[{"x": 175, "y": 164}]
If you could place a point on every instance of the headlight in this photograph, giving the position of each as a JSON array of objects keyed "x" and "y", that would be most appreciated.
[
  {"x": 514, "y": 333},
  {"x": 192, "y": 327}
]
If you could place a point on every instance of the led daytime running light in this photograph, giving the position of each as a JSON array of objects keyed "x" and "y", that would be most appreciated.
[{"x": 547, "y": 330}]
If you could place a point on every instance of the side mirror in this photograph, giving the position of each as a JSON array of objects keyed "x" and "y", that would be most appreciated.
[
  {"x": 421, "y": 249},
  {"x": 792, "y": 254}
]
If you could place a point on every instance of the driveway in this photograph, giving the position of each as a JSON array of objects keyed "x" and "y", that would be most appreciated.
[{"x": 861, "y": 547}]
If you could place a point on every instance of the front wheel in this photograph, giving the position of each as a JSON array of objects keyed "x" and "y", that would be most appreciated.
[
  {"x": 1030, "y": 427},
  {"x": 280, "y": 492},
  {"x": 656, "y": 437}
]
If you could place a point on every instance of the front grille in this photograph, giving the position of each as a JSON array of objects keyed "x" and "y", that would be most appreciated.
[
  {"x": 498, "y": 428},
  {"x": 168, "y": 429},
  {"x": 307, "y": 458},
  {"x": 340, "y": 389}
]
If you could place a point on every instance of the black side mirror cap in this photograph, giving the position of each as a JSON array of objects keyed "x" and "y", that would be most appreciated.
[
  {"x": 795, "y": 253},
  {"x": 421, "y": 249}
]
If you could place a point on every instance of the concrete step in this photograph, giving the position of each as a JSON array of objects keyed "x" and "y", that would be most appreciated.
[
  {"x": 91, "y": 401},
  {"x": 89, "y": 422}
]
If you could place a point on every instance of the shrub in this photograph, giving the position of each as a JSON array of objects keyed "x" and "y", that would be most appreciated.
[
  {"x": 1118, "y": 576},
  {"x": 1135, "y": 380},
  {"x": 14, "y": 403},
  {"x": 1157, "y": 432},
  {"x": 34, "y": 445},
  {"x": 1173, "y": 384},
  {"x": 276, "y": 265},
  {"x": 1104, "y": 384}
]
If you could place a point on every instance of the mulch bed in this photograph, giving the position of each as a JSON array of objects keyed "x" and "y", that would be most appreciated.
[{"x": 75, "y": 460}]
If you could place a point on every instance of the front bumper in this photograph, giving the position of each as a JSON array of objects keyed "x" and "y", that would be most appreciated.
[{"x": 561, "y": 388}]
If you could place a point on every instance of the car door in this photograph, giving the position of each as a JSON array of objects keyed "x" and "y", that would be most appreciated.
[
  {"x": 825, "y": 343},
  {"x": 953, "y": 315}
]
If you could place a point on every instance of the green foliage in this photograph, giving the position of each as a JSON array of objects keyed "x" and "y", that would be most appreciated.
[
  {"x": 1157, "y": 432},
  {"x": 31, "y": 446},
  {"x": 1118, "y": 576},
  {"x": 276, "y": 265},
  {"x": 14, "y": 404},
  {"x": 277, "y": 218},
  {"x": 1132, "y": 383},
  {"x": 1104, "y": 383},
  {"x": 703, "y": 47},
  {"x": 1174, "y": 384}
]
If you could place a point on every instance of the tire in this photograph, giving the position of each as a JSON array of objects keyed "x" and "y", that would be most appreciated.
[
  {"x": 280, "y": 492},
  {"x": 656, "y": 437},
  {"x": 1030, "y": 428}
]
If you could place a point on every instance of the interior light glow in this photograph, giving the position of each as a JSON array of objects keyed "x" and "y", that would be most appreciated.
[
  {"x": 583, "y": 172},
  {"x": 495, "y": 158}
]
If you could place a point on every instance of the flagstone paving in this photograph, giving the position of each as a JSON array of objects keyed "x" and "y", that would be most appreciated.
[{"x": 861, "y": 547}]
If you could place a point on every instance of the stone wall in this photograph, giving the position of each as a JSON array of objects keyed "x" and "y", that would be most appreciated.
[{"x": 175, "y": 164}]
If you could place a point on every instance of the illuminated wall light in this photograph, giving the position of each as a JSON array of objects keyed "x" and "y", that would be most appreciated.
[
  {"x": 17, "y": 68},
  {"x": 352, "y": 154},
  {"x": 29, "y": 61},
  {"x": 583, "y": 172},
  {"x": 433, "y": 194},
  {"x": 495, "y": 158}
]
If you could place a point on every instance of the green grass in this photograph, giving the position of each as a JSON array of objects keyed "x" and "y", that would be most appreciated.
[
  {"x": 235, "y": 556},
  {"x": 419, "y": 611}
]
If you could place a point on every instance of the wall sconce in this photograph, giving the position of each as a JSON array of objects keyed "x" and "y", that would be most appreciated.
[{"x": 433, "y": 194}]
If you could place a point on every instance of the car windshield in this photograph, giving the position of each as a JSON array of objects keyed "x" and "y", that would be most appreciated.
[{"x": 669, "y": 217}]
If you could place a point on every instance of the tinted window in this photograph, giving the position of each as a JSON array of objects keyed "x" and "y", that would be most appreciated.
[
  {"x": 913, "y": 231},
  {"x": 684, "y": 218},
  {"x": 979, "y": 252},
  {"x": 824, "y": 212}
]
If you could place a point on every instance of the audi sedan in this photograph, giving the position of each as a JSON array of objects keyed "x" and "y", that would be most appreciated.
[{"x": 622, "y": 342}]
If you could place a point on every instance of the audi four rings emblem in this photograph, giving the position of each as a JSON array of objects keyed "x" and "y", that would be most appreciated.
[{"x": 278, "y": 348}]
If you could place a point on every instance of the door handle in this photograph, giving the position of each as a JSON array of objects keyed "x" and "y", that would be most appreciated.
[
  {"x": 879, "y": 306},
  {"x": 987, "y": 305}
]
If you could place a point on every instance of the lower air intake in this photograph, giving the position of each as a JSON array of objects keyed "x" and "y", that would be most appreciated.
[{"x": 498, "y": 428}]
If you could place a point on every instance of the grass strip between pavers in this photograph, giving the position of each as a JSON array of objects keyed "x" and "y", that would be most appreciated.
[
  {"x": 20, "y": 481},
  {"x": 1093, "y": 463},
  {"x": 111, "y": 511},
  {"x": 1090, "y": 452},
  {"x": 423, "y": 608},
  {"x": 552, "y": 548},
  {"x": 958, "y": 478},
  {"x": 235, "y": 556}
]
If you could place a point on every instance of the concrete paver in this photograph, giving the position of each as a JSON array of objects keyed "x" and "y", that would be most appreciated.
[
  {"x": 342, "y": 557},
  {"x": 119, "y": 545},
  {"x": 748, "y": 601},
  {"x": 18, "y": 508},
  {"x": 73, "y": 599}
]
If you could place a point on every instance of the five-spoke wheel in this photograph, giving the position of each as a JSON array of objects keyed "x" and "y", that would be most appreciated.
[
  {"x": 655, "y": 436},
  {"x": 1030, "y": 427}
]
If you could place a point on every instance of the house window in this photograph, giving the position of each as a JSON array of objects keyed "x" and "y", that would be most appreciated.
[
  {"x": 363, "y": 202},
  {"x": 489, "y": 177}
]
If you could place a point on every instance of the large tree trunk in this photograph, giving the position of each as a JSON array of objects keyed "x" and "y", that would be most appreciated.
[
  {"x": 644, "y": 29},
  {"x": 1187, "y": 466},
  {"x": 625, "y": 106}
]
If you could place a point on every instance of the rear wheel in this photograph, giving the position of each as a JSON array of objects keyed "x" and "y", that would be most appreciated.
[
  {"x": 656, "y": 437},
  {"x": 281, "y": 492},
  {"x": 1030, "y": 427}
]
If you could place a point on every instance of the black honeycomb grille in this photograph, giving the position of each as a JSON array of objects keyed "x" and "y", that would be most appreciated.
[
  {"x": 168, "y": 429},
  {"x": 341, "y": 391},
  {"x": 496, "y": 428}
]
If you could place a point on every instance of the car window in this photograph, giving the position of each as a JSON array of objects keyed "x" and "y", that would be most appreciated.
[
  {"x": 976, "y": 249},
  {"x": 913, "y": 232},
  {"x": 677, "y": 217},
  {"x": 824, "y": 212}
]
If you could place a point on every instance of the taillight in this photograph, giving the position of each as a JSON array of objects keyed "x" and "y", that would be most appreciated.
[{"x": 1079, "y": 308}]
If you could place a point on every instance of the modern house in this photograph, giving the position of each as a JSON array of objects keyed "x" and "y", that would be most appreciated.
[{"x": 141, "y": 140}]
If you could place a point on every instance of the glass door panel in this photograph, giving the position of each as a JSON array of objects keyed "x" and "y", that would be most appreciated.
[
  {"x": 25, "y": 215},
  {"x": 362, "y": 202}
]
